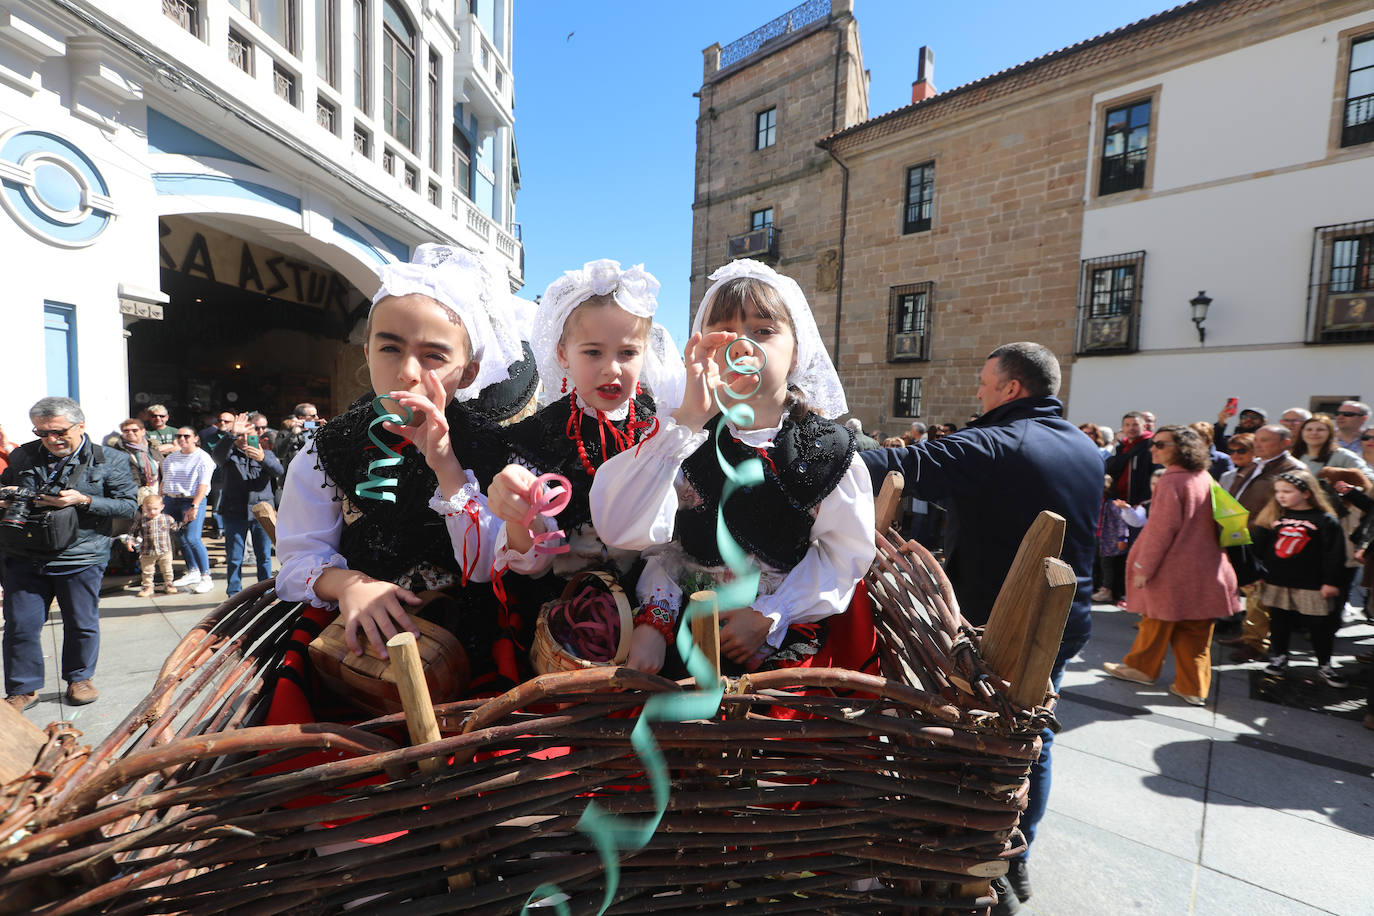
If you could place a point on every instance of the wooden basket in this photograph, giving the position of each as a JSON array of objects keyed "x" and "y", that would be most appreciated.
[
  {"x": 366, "y": 680},
  {"x": 547, "y": 655}
]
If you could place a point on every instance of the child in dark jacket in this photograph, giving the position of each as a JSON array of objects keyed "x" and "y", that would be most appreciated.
[{"x": 1303, "y": 550}]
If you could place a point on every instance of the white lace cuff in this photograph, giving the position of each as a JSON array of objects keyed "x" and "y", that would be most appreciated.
[
  {"x": 457, "y": 503},
  {"x": 335, "y": 561}
]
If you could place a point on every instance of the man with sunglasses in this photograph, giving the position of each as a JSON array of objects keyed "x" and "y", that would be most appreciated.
[
  {"x": 70, "y": 473},
  {"x": 160, "y": 435},
  {"x": 1350, "y": 419}
]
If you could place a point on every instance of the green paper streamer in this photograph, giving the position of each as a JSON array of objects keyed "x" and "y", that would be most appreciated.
[{"x": 376, "y": 486}]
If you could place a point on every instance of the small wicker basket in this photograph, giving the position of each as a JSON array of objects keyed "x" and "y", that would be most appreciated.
[
  {"x": 547, "y": 655},
  {"x": 366, "y": 680}
]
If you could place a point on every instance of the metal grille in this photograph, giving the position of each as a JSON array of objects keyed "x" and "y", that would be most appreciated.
[
  {"x": 183, "y": 13},
  {"x": 241, "y": 52},
  {"x": 326, "y": 115},
  {"x": 920, "y": 198},
  {"x": 906, "y": 397},
  {"x": 908, "y": 321},
  {"x": 788, "y": 22},
  {"x": 1340, "y": 301},
  {"x": 1109, "y": 298},
  {"x": 389, "y": 162},
  {"x": 362, "y": 141},
  {"x": 435, "y": 196},
  {"x": 1358, "y": 126},
  {"x": 412, "y": 179},
  {"x": 284, "y": 84}
]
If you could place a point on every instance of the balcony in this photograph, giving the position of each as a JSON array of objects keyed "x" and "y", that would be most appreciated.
[
  {"x": 486, "y": 235},
  {"x": 480, "y": 78},
  {"x": 759, "y": 243}
]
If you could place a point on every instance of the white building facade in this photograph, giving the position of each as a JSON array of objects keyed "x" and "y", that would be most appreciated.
[
  {"x": 198, "y": 194},
  {"x": 1242, "y": 169}
]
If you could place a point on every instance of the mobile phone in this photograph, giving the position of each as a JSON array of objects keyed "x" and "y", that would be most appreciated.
[
  {"x": 1232, "y": 404},
  {"x": 310, "y": 424},
  {"x": 253, "y": 440}
]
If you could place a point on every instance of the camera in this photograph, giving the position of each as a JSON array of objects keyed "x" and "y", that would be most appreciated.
[{"x": 20, "y": 507}]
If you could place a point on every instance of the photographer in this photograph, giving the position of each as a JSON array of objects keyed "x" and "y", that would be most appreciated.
[
  {"x": 249, "y": 470},
  {"x": 54, "y": 543}
]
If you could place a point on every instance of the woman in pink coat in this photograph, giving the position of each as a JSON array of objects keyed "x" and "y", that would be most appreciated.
[{"x": 1177, "y": 577}]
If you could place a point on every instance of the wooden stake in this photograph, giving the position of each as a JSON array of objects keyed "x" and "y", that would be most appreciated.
[
  {"x": 1008, "y": 624},
  {"x": 888, "y": 501},
  {"x": 706, "y": 629},
  {"x": 20, "y": 743}
]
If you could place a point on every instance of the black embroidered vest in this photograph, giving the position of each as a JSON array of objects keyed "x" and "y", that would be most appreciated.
[
  {"x": 542, "y": 442},
  {"x": 771, "y": 520},
  {"x": 386, "y": 539}
]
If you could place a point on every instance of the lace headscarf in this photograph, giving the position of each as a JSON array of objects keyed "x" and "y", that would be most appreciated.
[
  {"x": 814, "y": 373},
  {"x": 636, "y": 291},
  {"x": 472, "y": 288}
]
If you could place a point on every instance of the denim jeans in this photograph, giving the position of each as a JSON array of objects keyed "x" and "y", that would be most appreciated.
[
  {"x": 28, "y": 593},
  {"x": 1038, "y": 797},
  {"x": 188, "y": 535},
  {"x": 236, "y": 531}
]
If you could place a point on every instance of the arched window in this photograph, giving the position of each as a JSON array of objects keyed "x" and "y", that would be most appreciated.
[{"x": 398, "y": 75}]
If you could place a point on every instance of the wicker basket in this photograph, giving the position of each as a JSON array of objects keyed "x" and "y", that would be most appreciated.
[
  {"x": 366, "y": 681},
  {"x": 548, "y": 656},
  {"x": 891, "y": 794}
]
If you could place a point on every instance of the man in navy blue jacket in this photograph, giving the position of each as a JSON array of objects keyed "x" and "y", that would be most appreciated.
[{"x": 996, "y": 475}]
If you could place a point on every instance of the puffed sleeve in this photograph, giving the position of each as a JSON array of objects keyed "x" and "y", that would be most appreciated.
[
  {"x": 634, "y": 496},
  {"x": 842, "y": 549},
  {"x": 471, "y": 527},
  {"x": 309, "y": 525}
]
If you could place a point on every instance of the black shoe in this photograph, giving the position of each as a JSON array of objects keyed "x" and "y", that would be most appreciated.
[
  {"x": 1018, "y": 875},
  {"x": 1007, "y": 904}
]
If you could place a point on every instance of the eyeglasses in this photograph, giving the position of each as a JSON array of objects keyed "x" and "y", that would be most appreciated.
[
  {"x": 54, "y": 433},
  {"x": 1238, "y": 451},
  {"x": 184, "y": 436},
  {"x": 1155, "y": 443},
  {"x": 1349, "y": 413}
]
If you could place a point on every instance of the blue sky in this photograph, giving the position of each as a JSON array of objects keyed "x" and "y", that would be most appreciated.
[{"x": 605, "y": 120}]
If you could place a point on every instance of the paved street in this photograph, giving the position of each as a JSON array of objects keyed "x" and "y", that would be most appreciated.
[{"x": 1240, "y": 807}]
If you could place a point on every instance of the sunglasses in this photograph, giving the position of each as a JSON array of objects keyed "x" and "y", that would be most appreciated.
[
  {"x": 1367, "y": 438},
  {"x": 162, "y": 415},
  {"x": 1349, "y": 413},
  {"x": 260, "y": 428},
  {"x": 1155, "y": 443},
  {"x": 54, "y": 433},
  {"x": 1238, "y": 451},
  {"x": 184, "y": 436}
]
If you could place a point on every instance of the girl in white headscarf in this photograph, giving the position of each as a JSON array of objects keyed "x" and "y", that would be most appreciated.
[
  {"x": 808, "y": 525},
  {"x": 608, "y": 370},
  {"x": 437, "y": 334}
]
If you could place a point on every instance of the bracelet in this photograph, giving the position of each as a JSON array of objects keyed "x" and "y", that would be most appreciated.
[{"x": 659, "y": 618}]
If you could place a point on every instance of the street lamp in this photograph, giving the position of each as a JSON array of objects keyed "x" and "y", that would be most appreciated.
[{"x": 1199, "y": 304}]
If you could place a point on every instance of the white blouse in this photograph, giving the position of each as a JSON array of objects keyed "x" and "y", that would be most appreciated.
[
  {"x": 310, "y": 523},
  {"x": 635, "y": 499}
]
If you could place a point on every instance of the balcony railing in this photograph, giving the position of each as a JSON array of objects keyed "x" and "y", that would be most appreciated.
[
  {"x": 479, "y": 223},
  {"x": 758, "y": 243},
  {"x": 790, "y": 21},
  {"x": 183, "y": 13}
]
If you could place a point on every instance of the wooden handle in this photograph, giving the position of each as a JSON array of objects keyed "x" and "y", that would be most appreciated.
[
  {"x": 410, "y": 683},
  {"x": 706, "y": 629}
]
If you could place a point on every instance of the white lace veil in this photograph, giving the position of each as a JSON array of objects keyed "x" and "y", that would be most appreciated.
[
  {"x": 633, "y": 289},
  {"x": 814, "y": 373},
  {"x": 475, "y": 290}
]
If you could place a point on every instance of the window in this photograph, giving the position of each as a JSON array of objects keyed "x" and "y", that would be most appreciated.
[
  {"x": 240, "y": 52},
  {"x": 284, "y": 83},
  {"x": 1358, "y": 124},
  {"x": 362, "y": 141},
  {"x": 276, "y": 17},
  {"x": 1125, "y": 148},
  {"x": 908, "y": 322},
  {"x": 59, "y": 342},
  {"x": 906, "y": 397},
  {"x": 327, "y": 40},
  {"x": 1341, "y": 301},
  {"x": 766, "y": 128},
  {"x": 462, "y": 163},
  {"x": 184, "y": 13},
  {"x": 398, "y": 75},
  {"x": 389, "y": 161},
  {"x": 1109, "y": 303},
  {"x": 920, "y": 198},
  {"x": 433, "y": 195},
  {"x": 326, "y": 115},
  {"x": 435, "y": 114},
  {"x": 362, "y": 64},
  {"x": 761, "y": 219}
]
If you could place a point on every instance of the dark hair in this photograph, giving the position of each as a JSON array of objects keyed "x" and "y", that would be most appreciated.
[
  {"x": 1299, "y": 448},
  {"x": 1192, "y": 451},
  {"x": 1134, "y": 413},
  {"x": 134, "y": 420},
  {"x": 1031, "y": 364},
  {"x": 745, "y": 297}
]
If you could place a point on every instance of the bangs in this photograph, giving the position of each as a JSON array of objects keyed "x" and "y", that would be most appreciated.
[{"x": 744, "y": 298}]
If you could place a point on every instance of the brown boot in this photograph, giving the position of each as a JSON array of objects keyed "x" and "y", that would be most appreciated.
[
  {"x": 79, "y": 693},
  {"x": 22, "y": 701}
]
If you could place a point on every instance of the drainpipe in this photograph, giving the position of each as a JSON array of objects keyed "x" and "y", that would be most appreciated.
[{"x": 844, "y": 192}]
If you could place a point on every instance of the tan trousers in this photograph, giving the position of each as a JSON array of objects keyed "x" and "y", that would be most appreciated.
[
  {"x": 1254, "y": 629},
  {"x": 1191, "y": 641},
  {"x": 163, "y": 561}
]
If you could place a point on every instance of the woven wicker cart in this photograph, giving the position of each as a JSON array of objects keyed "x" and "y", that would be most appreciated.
[{"x": 810, "y": 791}]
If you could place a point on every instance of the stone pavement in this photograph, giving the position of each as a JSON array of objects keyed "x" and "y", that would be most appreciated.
[{"x": 1238, "y": 807}]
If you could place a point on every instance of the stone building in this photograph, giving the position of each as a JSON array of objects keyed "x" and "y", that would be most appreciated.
[
  {"x": 198, "y": 194},
  {"x": 1081, "y": 199}
]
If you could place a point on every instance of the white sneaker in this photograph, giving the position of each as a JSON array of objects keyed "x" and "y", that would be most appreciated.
[
  {"x": 191, "y": 578},
  {"x": 202, "y": 585}
]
